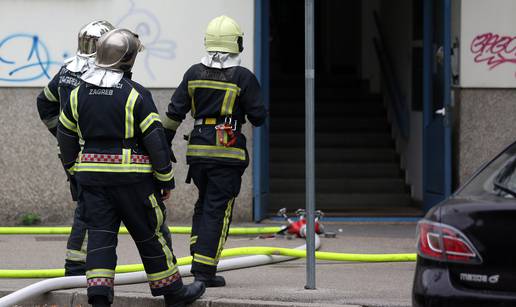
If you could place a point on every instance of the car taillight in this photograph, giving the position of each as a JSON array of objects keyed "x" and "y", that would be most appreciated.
[{"x": 445, "y": 243}]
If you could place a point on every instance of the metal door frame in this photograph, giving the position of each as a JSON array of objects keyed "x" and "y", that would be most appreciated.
[
  {"x": 261, "y": 134},
  {"x": 428, "y": 111}
]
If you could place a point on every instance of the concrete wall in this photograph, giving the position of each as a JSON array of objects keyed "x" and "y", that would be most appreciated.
[
  {"x": 396, "y": 18},
  {"x": 483, "y": 118},
  {"x": 33, "y": 180},
  {"x": 484, "y": 125}
]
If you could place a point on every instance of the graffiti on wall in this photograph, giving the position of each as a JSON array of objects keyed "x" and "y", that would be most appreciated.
[
  {"x": 148, "y": 27},
  {"x": 26, "y": 57},
  {"x": 493, "y": 49}
]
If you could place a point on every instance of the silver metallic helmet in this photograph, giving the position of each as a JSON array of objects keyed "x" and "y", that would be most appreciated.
[
  {"x": 88, "y": 36},
  {"x": 117, "y": 50}
]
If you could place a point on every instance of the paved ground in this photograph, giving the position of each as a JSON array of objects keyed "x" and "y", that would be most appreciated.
[{"x": 357, "y": 284}]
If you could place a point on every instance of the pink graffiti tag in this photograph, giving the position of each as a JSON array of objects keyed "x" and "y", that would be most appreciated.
[{"x": 494, "y": 49}]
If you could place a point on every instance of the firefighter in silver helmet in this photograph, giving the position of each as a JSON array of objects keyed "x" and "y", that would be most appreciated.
[
  {"x": 221, "y": 95},
  {"x": 124, "y": 171},
  {"x": 50, "y": 102}
]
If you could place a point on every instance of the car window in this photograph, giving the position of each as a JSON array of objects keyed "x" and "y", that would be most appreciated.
[{"x": 501, "y": 171}]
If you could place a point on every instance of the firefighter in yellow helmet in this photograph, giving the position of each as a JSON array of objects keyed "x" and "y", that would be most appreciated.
[{"x": 220, "y": 94}]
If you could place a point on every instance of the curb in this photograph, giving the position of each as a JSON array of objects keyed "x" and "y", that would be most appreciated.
[{"x": 127, "y": 299}]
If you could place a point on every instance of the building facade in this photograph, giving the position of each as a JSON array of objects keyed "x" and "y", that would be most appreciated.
[{"x": 383, "y": 70}]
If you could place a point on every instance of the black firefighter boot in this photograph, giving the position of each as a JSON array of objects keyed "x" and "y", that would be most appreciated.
[
  {"x": 100, "y": 301},
  {"x": 186, "y": 295},
  {"x": 211, "y": 281}
]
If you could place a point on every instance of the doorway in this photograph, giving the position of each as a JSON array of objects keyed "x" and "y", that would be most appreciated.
[{"x": 357, "y": 167}]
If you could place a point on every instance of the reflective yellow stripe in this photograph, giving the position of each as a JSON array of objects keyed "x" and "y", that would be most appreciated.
[
  {"x": 194, "y": 110},
  {"x": 215, "y": 152},
  {"x": 84, "y": 246},
  {"x": 151, "y": 118},
  {"x": 225, "y": 103},
  {"x": 161, "y": 239},
  {"x": 126, "y": 156},
  {"x": 191, "y": 90},
  {"x": 217, "y": 85},
  {"x": 73, "y": 103},
  {"x": 157, "y": 209},
  {"x": 205, "y": 260},
  {"x": 111, "y": 167},
  {"x": 169, "y": 123},
  {"x": 229, "y": 101},
  {"x": 205, "y": 257},
  {"x": 232, "y": 91},
  {"x": 73, "y": 107},
  {"x": 161, "y": 275},
  {"x": 210, "y": 121},
  {"x": 100, "y": 273},
  {"x": 79, "y": 155},
  {"x": 75, "y": 255},
  {"x": 125, "y": 167},
  {"x": 225, "y": 227},
  {"x": 164, "y": 177},
  {"x": 193, "y": 240},
  {"x": 129, "y": 116},
  {"x": 49, "y": 95},
  {"x": 67, "y": 123},
  {"x": 71, "y": 171},
  {"x": 51, "y": 122}
]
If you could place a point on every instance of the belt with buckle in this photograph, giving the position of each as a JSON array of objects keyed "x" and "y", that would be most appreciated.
[{"x": 213, "y": 121}]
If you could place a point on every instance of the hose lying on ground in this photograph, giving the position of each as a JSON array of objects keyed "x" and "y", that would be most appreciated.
[
  {"x": 139, "y": 277},
  {"x": 123, "y": 230},
  {"x": 232, "y": 252},
  {"x": 262, "y": 256}
]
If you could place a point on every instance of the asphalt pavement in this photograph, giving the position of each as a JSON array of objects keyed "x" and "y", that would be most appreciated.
[{"x": 282, "y": 284}]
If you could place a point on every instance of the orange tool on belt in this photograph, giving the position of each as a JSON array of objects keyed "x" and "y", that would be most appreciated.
[{"x": 229, "y": 129}]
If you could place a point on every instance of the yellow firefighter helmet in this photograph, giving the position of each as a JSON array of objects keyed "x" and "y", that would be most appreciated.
[{"x": 223, "y": 34}]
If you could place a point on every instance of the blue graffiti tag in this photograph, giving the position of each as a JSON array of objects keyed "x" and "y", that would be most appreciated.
[
  {"x": 22, "y": 68},
  {"x": 148, "y": 27}
]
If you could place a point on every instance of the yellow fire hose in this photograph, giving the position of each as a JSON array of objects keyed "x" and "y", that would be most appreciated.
[
  {"x": 232, "y": 252},
  {"x": 123, "y": 230}
]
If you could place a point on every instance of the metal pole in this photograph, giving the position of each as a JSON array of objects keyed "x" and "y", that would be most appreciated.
[{"x": 309, "y": 144}]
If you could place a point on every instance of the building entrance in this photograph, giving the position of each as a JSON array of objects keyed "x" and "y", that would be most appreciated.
[{"x": 358, "y": 170}]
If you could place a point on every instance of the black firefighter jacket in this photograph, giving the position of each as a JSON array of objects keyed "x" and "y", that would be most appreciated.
[
  {"x": 123, "y": 137},
  {"x": 214, "y": 96}
]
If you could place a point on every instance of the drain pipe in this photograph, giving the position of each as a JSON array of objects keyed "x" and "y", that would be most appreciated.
[{"x": 61, "y": 283}]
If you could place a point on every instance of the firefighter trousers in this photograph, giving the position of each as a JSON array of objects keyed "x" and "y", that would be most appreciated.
[
  {"x": 141, "y": 210},
  {"x": 75, "y": 260},
  {"x": 75, "y": 263},
  {"x": 218, "y": 187},
  {"x": 76, "y": 247}
]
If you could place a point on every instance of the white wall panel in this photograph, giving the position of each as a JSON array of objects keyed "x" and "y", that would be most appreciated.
[{"x": 37, "y": 35}]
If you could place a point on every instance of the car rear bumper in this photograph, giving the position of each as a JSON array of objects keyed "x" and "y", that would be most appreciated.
[{"x": 433, "y": 287}]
